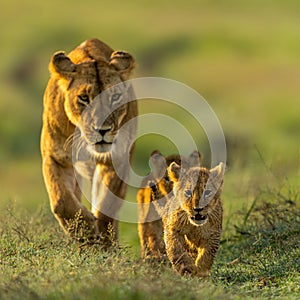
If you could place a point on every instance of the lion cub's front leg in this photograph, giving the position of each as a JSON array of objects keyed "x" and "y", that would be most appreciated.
[
  {"x": 150, "y": 228},
  {"x": 65, "y": 199},
  {"x": 207, "y": 254},
  {"x": 181, "y": 260}
]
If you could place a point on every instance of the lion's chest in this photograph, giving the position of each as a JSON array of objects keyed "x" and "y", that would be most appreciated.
[{"x": 195, "y": 236}]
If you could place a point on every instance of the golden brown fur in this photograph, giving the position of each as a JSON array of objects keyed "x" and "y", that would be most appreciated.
[
  {"x": 192, "y": 218},
  {"x": 70, "y": 100},
  {"x": 150, "y": 224}
]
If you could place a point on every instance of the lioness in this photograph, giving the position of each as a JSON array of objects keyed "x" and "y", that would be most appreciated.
[
  {"x": 192, "y": 217},
  {"x": 72, "y": 99}
]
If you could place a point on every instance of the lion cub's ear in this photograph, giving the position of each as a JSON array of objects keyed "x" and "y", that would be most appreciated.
[
  {"x": 158, "y": 164},
  {"x": 195, "y": 159},
  {"x": 216, "y": 176},
  {"x": 218, "y": 171},
  {"x": 174, "y": 172},
  {"x": 123, "y": 62},
  {"x": 61, "y": 64}
]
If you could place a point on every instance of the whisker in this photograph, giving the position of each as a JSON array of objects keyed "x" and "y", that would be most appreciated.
[
  {"x": 70, "y": 140},
  {"x": 78, "y": 146}
]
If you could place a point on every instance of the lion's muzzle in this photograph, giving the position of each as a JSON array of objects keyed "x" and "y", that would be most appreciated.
[
  {"x": 198, "y": 217},
  {"x": 104, "y": 138}
]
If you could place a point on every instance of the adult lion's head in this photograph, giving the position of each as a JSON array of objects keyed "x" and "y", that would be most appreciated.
[{"x": 97, "y": 99}]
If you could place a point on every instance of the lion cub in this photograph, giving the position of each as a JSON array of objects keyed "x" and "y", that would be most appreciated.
[
  {"x": 150, "y": 227},
  {"x": 192, "y": 217}
]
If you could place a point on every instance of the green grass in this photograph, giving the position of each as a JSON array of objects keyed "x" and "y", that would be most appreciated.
[
  {"x": 258, "y": 258},
  {"x": 262, "y": 256}
]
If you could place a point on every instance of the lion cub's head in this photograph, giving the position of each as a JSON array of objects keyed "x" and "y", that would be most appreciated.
[
  {"x": 91, "y": 83},
  {"x": 161, "y": 184},
  {"x": 198, "y": 190}
]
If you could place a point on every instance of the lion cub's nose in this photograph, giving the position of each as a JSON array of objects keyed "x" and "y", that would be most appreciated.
[{"x": 197, "y": 209}]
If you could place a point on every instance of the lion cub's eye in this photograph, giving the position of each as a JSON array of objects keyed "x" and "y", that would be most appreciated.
[
  {"x": 83, "y": 99},
  {"x": 188, "y": 193},
  {"x": 166, "y": 178},
  {"x": 207, "y": 194},
  {"x": 115, "y": 97}
]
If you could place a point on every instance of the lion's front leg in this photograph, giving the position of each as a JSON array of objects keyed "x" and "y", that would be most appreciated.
[
  {"x": 65, "y": 201},
  {"x": 152, "y": 244},
  {"x": 181, "y": 260},
  {"x": 150, "y": 227},
  {"x": 108, "y": 192},
  {"x": 206, "y": 255}
]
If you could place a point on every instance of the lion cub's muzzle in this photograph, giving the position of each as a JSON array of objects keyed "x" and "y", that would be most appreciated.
[{"x": 199, "y": 217}]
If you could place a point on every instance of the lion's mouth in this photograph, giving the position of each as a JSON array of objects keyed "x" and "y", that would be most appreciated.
[
  {"x": 102, "y": 146},
  {"x": 199, "y": 219},
  {"x": 103, "y": 143}
]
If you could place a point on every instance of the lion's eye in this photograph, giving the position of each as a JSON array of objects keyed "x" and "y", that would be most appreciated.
[
  {"x": 166, "y": 178},
  {"x": 115, "y": 97},
  {"x": 188, "y": 193},
  {"x": 207, "y": 194},
  {"x": 83, "y": 99}
]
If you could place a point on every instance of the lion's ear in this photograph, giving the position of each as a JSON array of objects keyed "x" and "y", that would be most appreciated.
[
  {"x": 195, "y": 159},
  {"x": 61, "y": 64},
  {"x": 158, "y": 164},
  {"x": 123, "y": 62},
  {"x": 174, "y": 171},
  {"x": 157, "y": 159},
  {"x": 218, "y": 171}
]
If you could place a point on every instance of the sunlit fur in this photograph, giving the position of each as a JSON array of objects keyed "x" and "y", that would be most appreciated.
[
  {"x": 150, "y": 225},
  {"x": 192, "y": 232},
  {"x": 71, "y": 99}
]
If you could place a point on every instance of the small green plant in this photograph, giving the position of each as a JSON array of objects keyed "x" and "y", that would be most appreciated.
[{"x": 262, "y": 255}]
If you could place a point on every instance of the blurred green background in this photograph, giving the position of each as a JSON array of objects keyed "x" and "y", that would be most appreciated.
[{"x": 243, "y": 57}]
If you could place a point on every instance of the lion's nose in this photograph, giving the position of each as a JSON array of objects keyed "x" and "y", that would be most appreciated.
[
  {"x": 103, "y": 130},
  {"x": 197, "y": 209}
]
